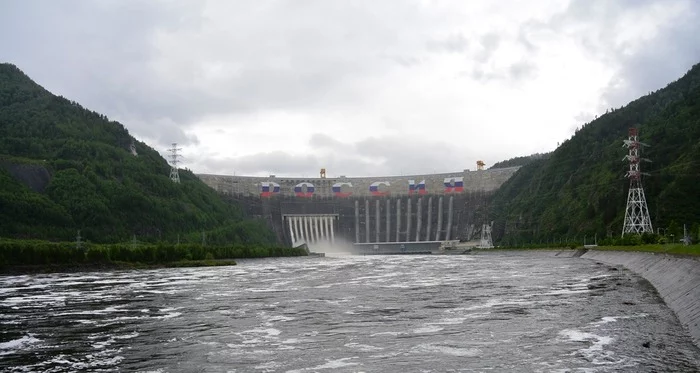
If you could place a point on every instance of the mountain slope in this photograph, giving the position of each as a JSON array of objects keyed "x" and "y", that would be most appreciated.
[
  {"x": 519, "y": 161},
  {"x": 64, "y": 168},
  {"x": 580, "y": 188}
]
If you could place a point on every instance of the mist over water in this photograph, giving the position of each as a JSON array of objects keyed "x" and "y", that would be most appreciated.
[{"x": 500, "y": 313}]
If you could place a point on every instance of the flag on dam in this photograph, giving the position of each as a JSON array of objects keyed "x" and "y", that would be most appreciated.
[
  {"x": 338, "y": 189},
  {"x": 375, "y": 189},
  {"x": 416, "y": 188},
  {"x": 269, "y": 188},
  {"x": 300, "y": 192},
  {"x": 454, "y": 184}
]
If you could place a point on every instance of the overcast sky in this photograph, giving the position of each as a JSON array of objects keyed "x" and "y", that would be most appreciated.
[{"x": 362, "y": 88}]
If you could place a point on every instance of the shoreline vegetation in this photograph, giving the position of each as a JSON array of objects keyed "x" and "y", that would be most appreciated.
[
  {"x": 35, "y": 256},
  {"x": 675, "y": 249}
]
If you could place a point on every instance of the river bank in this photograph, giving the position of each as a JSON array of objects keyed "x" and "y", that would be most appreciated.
[
  {"x": 30, "y": 256},
  {"x": 108, "y": 266},
  {"x": 676, "y": 278}
]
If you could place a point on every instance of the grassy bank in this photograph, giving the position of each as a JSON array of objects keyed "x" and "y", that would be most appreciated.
[
  {"x": 42, "y": 256},
  {"x": 676, "y": 249}
]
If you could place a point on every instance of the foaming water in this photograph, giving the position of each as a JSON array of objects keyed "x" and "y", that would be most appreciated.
[{"x": 344, "y": 314}]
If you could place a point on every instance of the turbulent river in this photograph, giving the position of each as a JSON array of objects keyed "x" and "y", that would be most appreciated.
[{"x": 472, "y": 313}]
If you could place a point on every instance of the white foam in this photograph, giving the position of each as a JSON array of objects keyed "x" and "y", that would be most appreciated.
[
  {"x": 102, "y": 344},
  {"x": 386, "y": 333},
  {"x": 362, "y": 347},
  {"x": 597, "y": 342},
  {"x": 17, "y": 344},
  {"x": 270, "y": 332},
  {"x": 450, "y": 321},
  {"x": 127, "y": 336},
  {"x": 270, "y": 365},
  {"x": 103, "y": 311},
  {"x": 170, "y": 315},
  {"x": 427, "y": 329},
  {"x": 608, "y": 319},
  {"x": 279, "y": 318},
  {"x": 330, "y": 364},
  {"x": 448, "y": 350}
]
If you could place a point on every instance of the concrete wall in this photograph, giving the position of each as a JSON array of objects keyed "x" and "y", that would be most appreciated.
[
  {"x": 378, "y": 219},
  {"x": 677, "y": 279},
  {"x": 474, "y": 181},
  {"x": 401, "y": 248}
]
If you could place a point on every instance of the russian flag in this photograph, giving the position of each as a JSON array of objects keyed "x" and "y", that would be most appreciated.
[
  {"x": 338, "y": 189},
  {"x": 299, "y": 190},
  {"x": 454, "y": 184},
  {"x": 374, "y": 188},
  {"x": 269, "y": 188},
  {"x": 419, "y": 188}
]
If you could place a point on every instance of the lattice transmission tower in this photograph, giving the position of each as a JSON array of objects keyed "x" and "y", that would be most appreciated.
[
  {"x": 485, "y": 242},
  {"x": 174, "y": 160},
  {"x": 637, "y": 218}
]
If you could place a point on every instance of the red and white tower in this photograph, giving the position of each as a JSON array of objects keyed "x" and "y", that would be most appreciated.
[{"x": 637, "y": 220}]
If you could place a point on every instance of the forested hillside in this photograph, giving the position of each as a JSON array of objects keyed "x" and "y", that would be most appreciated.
[
  {"x": 580, "y": 189},
  {"x": 519, "y": 161},
  {"x": 64, "y": 168}
]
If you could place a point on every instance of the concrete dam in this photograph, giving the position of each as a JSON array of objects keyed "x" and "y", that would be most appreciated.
[{"x": 368, "y": 212}]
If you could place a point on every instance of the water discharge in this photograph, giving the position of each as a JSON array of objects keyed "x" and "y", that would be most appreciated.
[{"x": 504, "y": 313}]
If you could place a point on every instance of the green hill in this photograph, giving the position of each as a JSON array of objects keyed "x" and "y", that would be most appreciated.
[
  {"x": 580, "y": 188},
  {"x": 519, "y": 161},
  {"x": 65, "y": 168}
]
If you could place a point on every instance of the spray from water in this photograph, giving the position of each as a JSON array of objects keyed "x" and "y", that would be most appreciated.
[{"x": 339, "y": 247}]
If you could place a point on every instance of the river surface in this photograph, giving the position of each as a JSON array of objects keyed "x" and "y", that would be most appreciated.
[{"x": 473, "y": 313}]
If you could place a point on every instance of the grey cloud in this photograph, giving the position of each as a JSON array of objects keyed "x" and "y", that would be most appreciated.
[
  {"x": 521, "y": 70},
  {"x": 514, "y": 73},
  {"x": 405, "y": 61},
  {"x": 661, "y": 60},
  {"x": 163, "y": 132},
  {"x": 454, "y": 43},
  {"x": 273, "y": 163},
  {"x": 370, "y": 157},
  {"x": 323, "y": 141},
  {"x": 142, "y": 61},
  {"x": 666, "y": 58},
  {"x": 583, "y": 118},
  {"x": 489, "y": 44},
  {"x": 524, "y": 35}
]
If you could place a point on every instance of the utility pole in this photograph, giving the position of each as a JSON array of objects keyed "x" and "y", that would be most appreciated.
[
  {"x": 174, "y": 175},
  {"x": 637, "y": 218}
]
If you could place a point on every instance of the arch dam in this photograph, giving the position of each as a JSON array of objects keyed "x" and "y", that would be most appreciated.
[{"x": 368, "y": 214}]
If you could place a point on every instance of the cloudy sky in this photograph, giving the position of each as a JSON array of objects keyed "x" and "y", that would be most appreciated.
[{"x": 389, "y": 87}]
